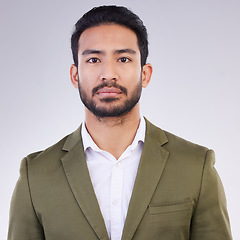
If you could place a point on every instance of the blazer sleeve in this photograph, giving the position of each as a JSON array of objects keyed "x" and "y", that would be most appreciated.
[
  {"x": 210, "y": 220},
  {"x": 23, "y": 222}
]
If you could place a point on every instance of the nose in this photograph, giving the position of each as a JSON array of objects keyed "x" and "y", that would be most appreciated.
[{"x": 109, "y": 72}]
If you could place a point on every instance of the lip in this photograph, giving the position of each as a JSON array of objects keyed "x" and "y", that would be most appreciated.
[{"x": 109, "y": 91}]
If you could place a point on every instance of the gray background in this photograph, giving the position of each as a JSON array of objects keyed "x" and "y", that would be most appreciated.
[{"x": 194, "y": 92}]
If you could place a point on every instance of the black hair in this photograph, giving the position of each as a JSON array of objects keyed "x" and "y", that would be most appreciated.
[{"x": 111, "y": 15}]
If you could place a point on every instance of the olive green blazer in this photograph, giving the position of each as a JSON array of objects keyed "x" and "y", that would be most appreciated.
[{"x": 177, "y": 194}]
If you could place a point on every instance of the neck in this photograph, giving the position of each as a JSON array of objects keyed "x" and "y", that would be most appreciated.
[{"x": 113, "y": 134}]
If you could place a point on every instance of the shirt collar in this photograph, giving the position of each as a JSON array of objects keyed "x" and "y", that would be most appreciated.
[{"x": 89, "y": 143}]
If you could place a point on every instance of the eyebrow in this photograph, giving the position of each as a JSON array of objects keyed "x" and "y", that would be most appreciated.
[
  {"x": 118, "y": 51},
  {"x": 92, "y": 51},
  {"x": 126, "y": 50}
]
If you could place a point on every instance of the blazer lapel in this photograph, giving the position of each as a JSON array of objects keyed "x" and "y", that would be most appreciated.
[
  {"x": 75, "y": 167},
  {"x": 150, "y": 169}
]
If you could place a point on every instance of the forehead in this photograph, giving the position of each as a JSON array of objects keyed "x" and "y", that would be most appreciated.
[{"x": 107, "y": 37}]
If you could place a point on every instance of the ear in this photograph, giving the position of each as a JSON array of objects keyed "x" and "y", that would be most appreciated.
[
  {"x": 74, "y": 75},
  {"x": 146, "y": 74}
]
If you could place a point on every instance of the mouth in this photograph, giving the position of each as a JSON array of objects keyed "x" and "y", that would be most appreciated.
[
  {"x": 109, "y": 89},
  {"x": 109, "y": 92}
]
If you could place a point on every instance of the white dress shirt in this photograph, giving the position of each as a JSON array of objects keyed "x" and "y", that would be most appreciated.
[{"x": 113, "y": 179}]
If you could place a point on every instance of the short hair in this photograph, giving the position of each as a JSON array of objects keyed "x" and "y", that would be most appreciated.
[{"x": 112, "y": 14}]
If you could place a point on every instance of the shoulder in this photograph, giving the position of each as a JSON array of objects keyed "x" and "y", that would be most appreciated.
[
  {"x": 164, "y": 136},
  {"x": 178, "y": 147},
  {"x": 54, "y": 152},
  {"x": 182, "y": 144}
]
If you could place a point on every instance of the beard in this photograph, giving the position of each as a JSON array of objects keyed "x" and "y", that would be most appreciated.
[{"x": 113, "y": 109}]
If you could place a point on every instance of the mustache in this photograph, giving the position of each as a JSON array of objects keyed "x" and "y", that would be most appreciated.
[{"x": 109, "y": 84}]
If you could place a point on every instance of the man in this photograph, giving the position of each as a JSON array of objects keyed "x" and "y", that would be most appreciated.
[{"x": 117, "y": 176}]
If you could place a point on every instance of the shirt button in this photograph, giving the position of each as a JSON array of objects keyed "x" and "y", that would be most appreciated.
[
  {"x": 115, "y": 202},
  {"x": 118, "y": 164}
]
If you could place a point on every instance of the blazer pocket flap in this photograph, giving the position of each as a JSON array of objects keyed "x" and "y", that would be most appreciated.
[{"x": 153, "y": 209}]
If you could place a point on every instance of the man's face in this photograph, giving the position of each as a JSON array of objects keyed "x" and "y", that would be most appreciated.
[{"x": 109, "y": 70}]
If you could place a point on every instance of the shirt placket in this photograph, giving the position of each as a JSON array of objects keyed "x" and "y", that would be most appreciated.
[{"x": 116, "y": 201}]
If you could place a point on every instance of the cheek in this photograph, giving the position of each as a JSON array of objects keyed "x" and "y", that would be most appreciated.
[
  {"x": 84, "y": 83},
  {"x": 136, "y": 77},
  {"x": 88, "y": 75},
  {"x": 86, "y": 79},
  {"x": 132, "y": 75}
]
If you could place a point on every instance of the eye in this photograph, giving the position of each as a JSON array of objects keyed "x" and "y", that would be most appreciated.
[
  {"x": 124, "y": 59},
  {"x": 93, "y": 60}
]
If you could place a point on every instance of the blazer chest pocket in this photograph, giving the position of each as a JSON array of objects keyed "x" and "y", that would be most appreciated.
[{"x": 171, "y": 216}]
